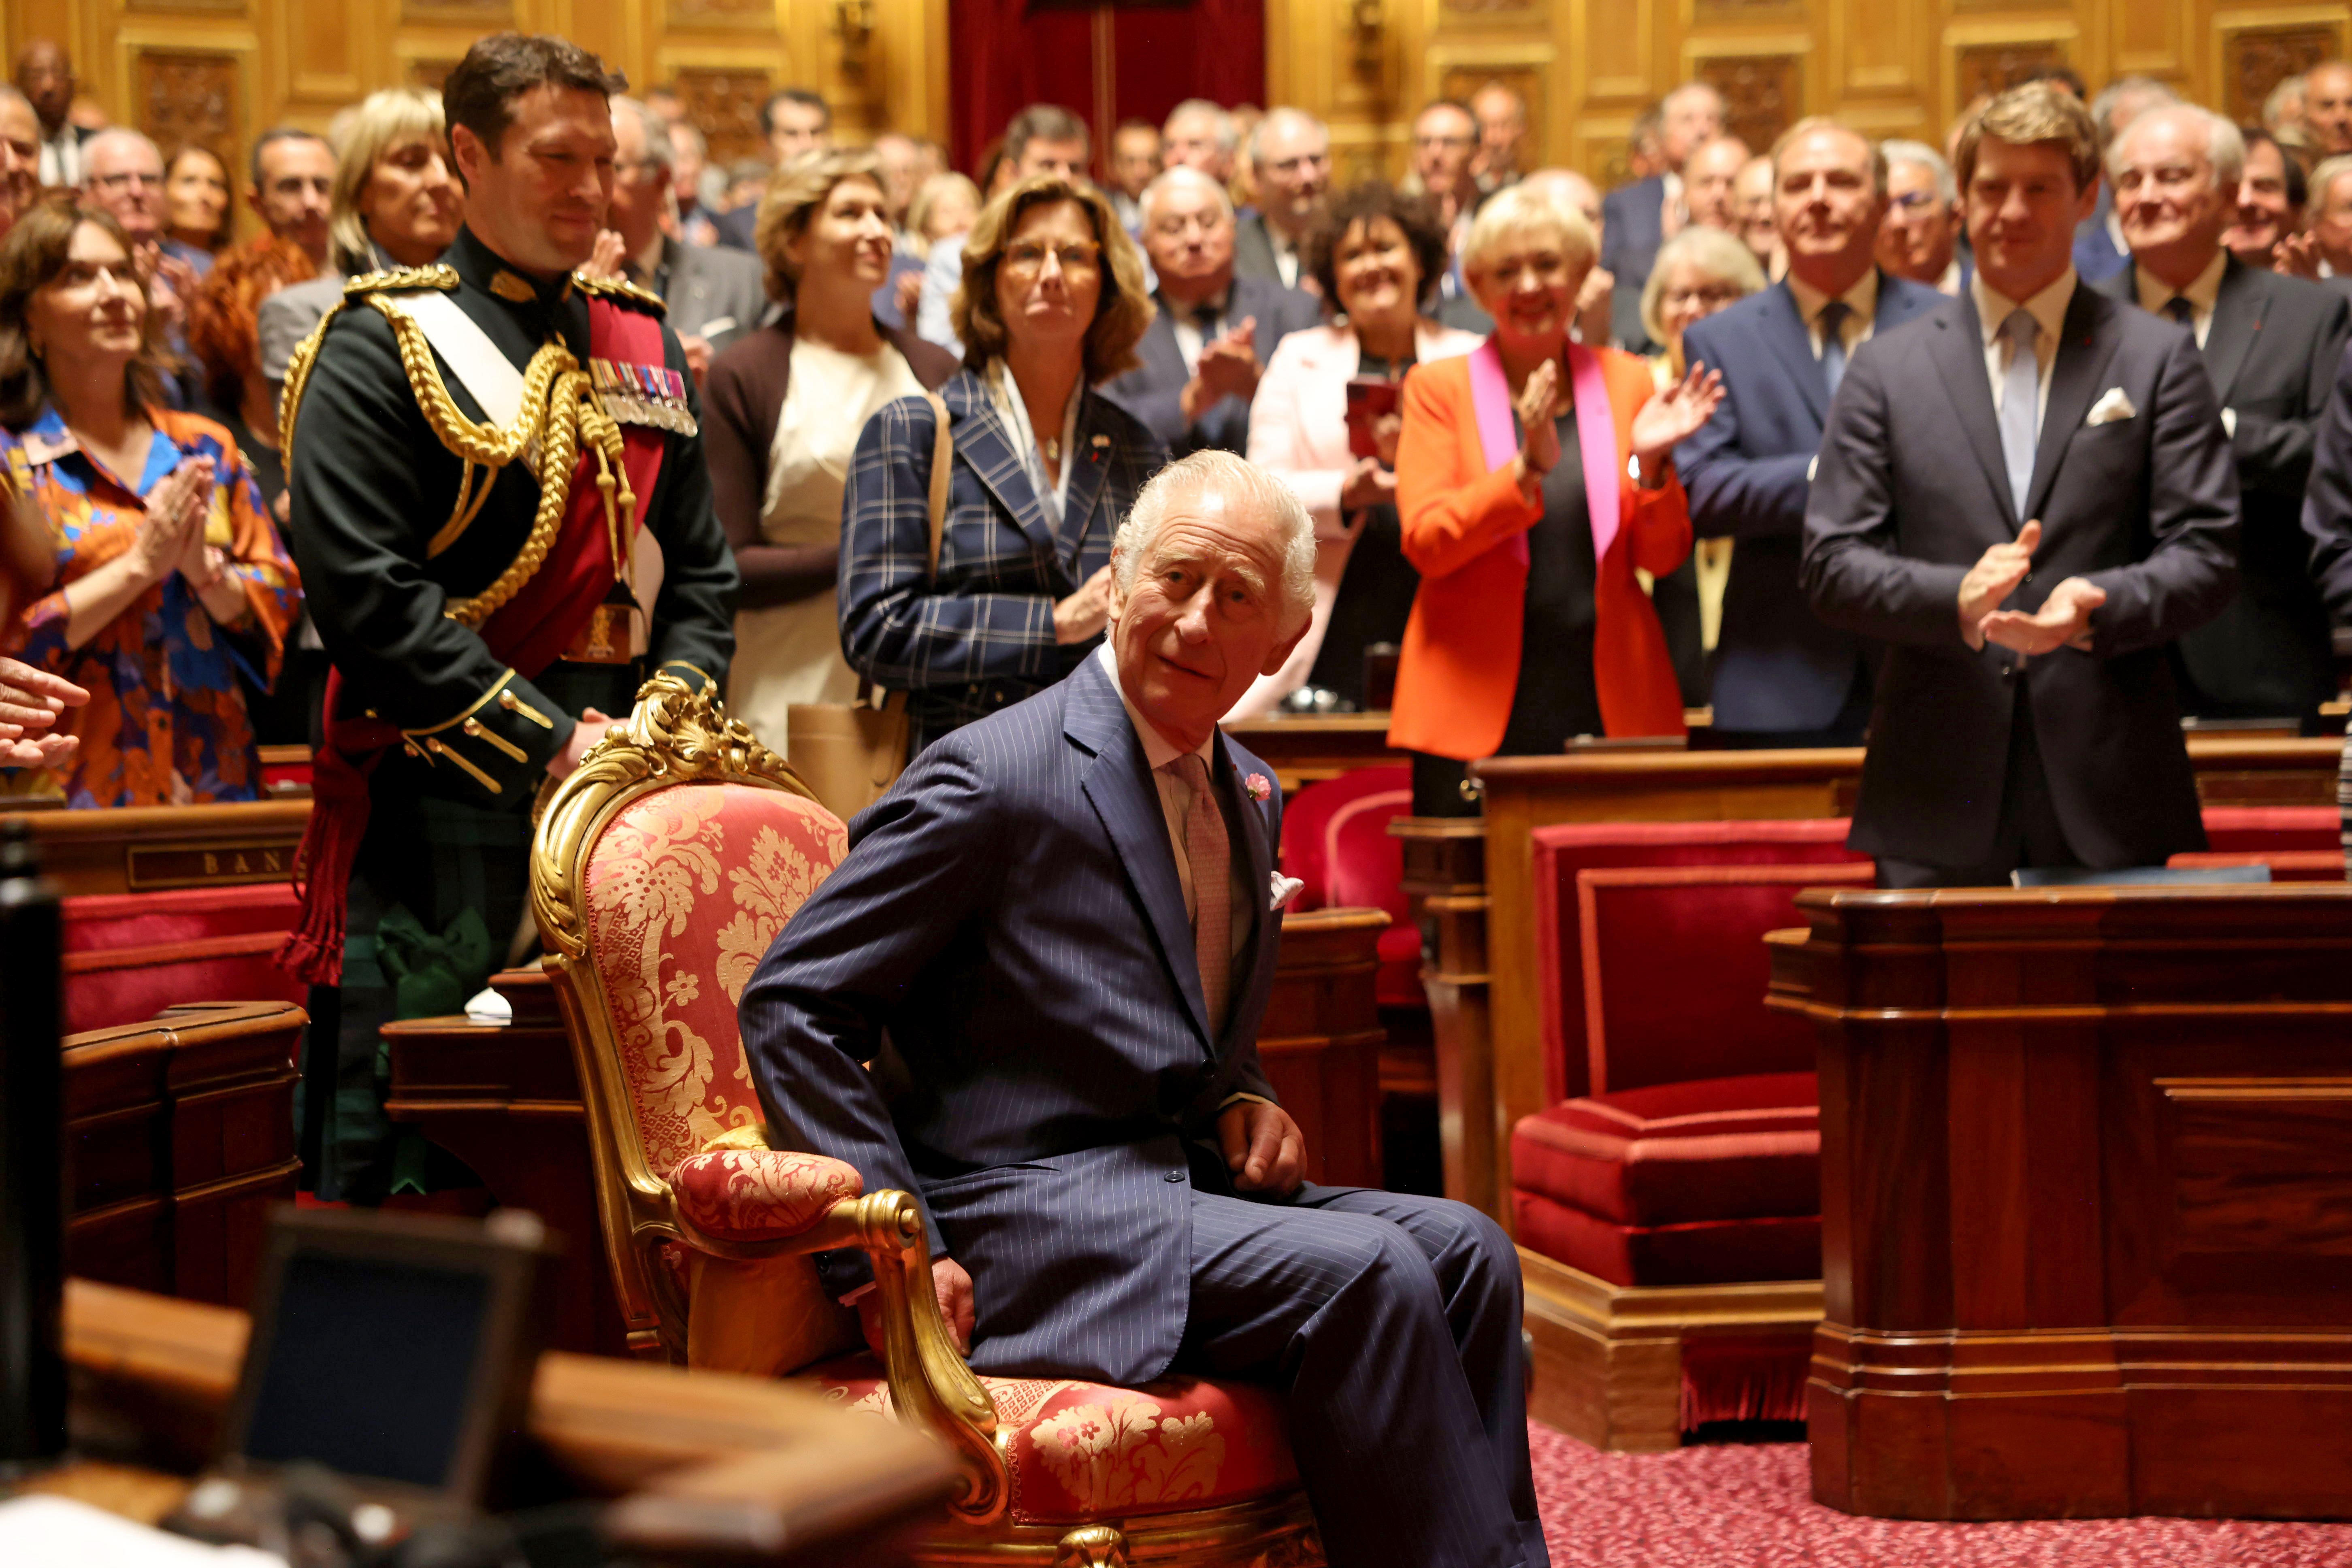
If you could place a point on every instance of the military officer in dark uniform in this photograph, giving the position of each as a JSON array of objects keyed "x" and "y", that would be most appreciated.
[{"x": 503, "y": 520}]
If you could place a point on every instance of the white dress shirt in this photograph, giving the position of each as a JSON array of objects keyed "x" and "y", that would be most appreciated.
[
  {"x": 1861, "y": 311},
  {"x": 1286, "y": 256},
  {"x": 2155, "y": 294},
  {"x": 2048, "y": 309},
  {"x": 1192, "y": 325},
  {"x": 62, "y": 157}
]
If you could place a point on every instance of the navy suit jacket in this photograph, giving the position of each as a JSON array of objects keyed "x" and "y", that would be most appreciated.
[
  {"x": 2272, "y": 350},
  {"x": 1010, "y": 916},
  {"x": 1633, "y": 227},
  {"x": 1777, "y": 666},
  {"x": 1912, "y": 490},
  {"x": 1153, "y": 391},
  {"x": 2096, "y": 259}
]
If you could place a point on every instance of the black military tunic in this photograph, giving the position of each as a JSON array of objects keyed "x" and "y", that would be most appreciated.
[{"x": 441, "y": 883}]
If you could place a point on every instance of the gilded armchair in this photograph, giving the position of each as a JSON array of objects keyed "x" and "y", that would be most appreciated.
[{"x": 661, "y": 871}]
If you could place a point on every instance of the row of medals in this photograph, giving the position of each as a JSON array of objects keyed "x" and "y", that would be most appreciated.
[{"x": 641, "y": 395}]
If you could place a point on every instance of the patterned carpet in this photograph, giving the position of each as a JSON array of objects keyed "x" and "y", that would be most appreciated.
[{"x": 1751, "y": 1506}]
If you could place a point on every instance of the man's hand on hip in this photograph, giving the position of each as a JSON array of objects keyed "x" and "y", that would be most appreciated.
[
  {"x": 1993, "y": 578},
  {"x": 2064, "y": 620},
  {"x": 1262, "y": 1147},
  {"x": 954, "y": 1288}
]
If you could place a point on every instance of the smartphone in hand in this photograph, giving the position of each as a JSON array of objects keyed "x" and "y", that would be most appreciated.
[{"x": 1371, "y": 398}]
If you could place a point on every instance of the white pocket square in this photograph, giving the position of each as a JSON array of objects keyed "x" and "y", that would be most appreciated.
[
  {"x": 1284, "y": 889},
  {"x": 2111, "y": 406}
]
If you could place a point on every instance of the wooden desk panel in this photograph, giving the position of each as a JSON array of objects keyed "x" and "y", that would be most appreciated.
[
  {"x": 2086, "y": 1166},
  {"x": 1321, "y": 1041},
  {"x": 1523, "y": 793},
  {"x": 179, "y": 1139},
  {"x": 1309, "y": 747},
  {"x": 136, "y": 849}
]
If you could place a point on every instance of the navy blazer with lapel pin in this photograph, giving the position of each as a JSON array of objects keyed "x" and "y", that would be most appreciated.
[
  {"x": 2145, "y": 506},
  {"x": 1011, "y": 916}
]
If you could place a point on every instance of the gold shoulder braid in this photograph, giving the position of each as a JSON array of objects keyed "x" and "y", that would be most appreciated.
[
  {"x": 403, "y": 277},
  {"x": 559, "y": 412},
  {"x": 620, "y": 288}
]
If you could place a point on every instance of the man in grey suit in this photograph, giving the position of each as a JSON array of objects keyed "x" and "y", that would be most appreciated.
[
  {"x": 1781, "y": 676},
  {"x": 714, "y": 295},
  {"x": 2271, "y": 345},
  {"x": 1214, "y": 331},
  {"x": 2026, "y": 493},
  {"x": 1291, "y": 152},
  {"x": 1058, "y": 932}
]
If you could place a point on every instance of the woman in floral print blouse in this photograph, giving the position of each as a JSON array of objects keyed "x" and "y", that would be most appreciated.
[{"x": 169, "y": 573}]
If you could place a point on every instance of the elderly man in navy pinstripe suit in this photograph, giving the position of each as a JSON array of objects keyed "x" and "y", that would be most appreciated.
[{"x": 1057, "y": 933}]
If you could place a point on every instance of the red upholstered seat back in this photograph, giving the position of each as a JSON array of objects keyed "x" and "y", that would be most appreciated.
[
  {"x": 686, "y": 889},
  {"x": 1336, "y": 839},
  {"x": 127, "y": 956},
  {"x": 2266, "y": 828},
  {"x": 1677, "y": 948}
]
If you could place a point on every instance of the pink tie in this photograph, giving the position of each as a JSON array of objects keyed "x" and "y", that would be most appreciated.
[{"x": 1207, "y": 848}]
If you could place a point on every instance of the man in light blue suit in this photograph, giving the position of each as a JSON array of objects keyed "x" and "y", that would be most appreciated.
[
  {"x": 1781, "y": 677},
  {"x": 1064, "y": 919}
]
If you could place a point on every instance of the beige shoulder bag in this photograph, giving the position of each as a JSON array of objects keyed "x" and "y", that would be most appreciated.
[{"x": 849, "y": 752}]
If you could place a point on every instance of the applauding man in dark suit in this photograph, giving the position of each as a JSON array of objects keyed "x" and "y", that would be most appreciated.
[
  {"x": 2028, "y": 494},
  {"x": 1064, "y": 919},
  {"x": 2271, "y": 344}
]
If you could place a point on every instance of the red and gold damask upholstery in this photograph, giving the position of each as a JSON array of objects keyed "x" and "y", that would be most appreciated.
[
  {"x": 686, "y": 889},
  {"x": 758, "y": 1194},
  {"x": 1082, "y": 1451}
]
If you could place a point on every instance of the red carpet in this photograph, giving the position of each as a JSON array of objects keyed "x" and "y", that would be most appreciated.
[{"x": 1751, "y": 1506}]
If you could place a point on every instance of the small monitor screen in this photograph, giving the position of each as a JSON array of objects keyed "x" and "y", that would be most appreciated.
[{"x": 369, "y": 1368}]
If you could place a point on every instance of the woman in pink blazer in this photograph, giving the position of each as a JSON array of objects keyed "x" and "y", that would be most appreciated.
[{"x": 1378, "y": 255}]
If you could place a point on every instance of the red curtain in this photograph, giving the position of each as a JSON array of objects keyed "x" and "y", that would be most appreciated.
[{"x": 1008, "y": 54}]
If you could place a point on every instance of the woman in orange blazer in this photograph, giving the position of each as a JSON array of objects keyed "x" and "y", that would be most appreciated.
[{"x": 1533, "y": 476}]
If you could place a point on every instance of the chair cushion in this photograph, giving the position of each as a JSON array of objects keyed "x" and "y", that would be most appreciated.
[
  {"x": 1084, "y": 1450},
  {"x": 758, "y": 1194},
  {"x": 1718, "y": 1252},
  {"x": 1709, "y": 1150},
  {"x": 1397, "y": 982}
]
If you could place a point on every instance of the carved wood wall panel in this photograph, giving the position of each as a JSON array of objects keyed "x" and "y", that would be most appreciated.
[
  {"x": 1763, "y": 95},
  {"x": 2256, "y": 59},
  {"x": 1989, "y": 68},
  {"x": 189, "y": 98},
  {"x": 726, "y": 104}
]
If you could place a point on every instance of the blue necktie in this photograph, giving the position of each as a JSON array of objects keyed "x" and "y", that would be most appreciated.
[
  {"x": 1832, "y": 323},
  {"x": 2020, "y": 392}
]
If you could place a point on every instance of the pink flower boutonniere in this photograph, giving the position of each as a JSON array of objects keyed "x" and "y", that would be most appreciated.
[{"x": 1259, "y": 789}]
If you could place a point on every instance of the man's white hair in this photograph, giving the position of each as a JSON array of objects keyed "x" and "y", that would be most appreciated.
[
  {"x": 2225, "y": 148},
  {"x": 1229, "y": 136},
  {"x": 118, "y": 136},
  {"x": 1240, "y": 480},
  {"x": 1182, "y": 175},
  {"x": 1897, "y": 151},
  {"x": 1280, "y": 118}
]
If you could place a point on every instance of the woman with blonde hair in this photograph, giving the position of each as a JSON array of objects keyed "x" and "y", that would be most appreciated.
[
  {"x": 395, "y": 202},
  {"x": 1052, "y": 304},
  {"x": 1534, "y": 474},
  {"x": 781, "y": 416},
  {"x": 1698, "y": 272}
]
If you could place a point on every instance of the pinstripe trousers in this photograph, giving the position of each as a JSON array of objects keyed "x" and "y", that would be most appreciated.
[{"x": 1393, "y": 1322}]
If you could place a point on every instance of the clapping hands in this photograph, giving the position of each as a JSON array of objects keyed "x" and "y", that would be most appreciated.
[
  {"x": 2064, "y": 620},
  {"x": 1228, "y": 367},
  {"x": 31, "y": 702},
  {"x": 1676, "y": 414},
  {"x": 171, "y": 536}
]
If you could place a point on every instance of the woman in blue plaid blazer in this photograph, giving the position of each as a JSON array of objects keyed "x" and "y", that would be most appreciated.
[{"x": 1053, "y": 302}]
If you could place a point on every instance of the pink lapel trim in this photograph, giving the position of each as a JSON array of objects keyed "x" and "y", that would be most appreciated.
[
  {"x": 1596, "y": 433},
  {"x": 1596, "y": 439}
]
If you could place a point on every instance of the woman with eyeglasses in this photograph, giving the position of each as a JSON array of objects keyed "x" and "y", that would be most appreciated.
[{"x": 1052, "y": 303}]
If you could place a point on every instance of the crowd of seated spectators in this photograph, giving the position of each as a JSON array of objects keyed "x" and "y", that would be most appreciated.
[{"x": 1223, "y": 287}]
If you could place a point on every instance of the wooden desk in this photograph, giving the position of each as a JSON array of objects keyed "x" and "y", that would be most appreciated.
[
  {"x": 1305, "y": 748},
  {"x": 505, "y": 1099},
  {"x": 179, "y": 1139},
  {"x": 1523, "y": 793},
  {"x": 137, "y": 850},
  {"x": 2087, "y": 1186},
  {"x": 710, "y": 1466}
]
